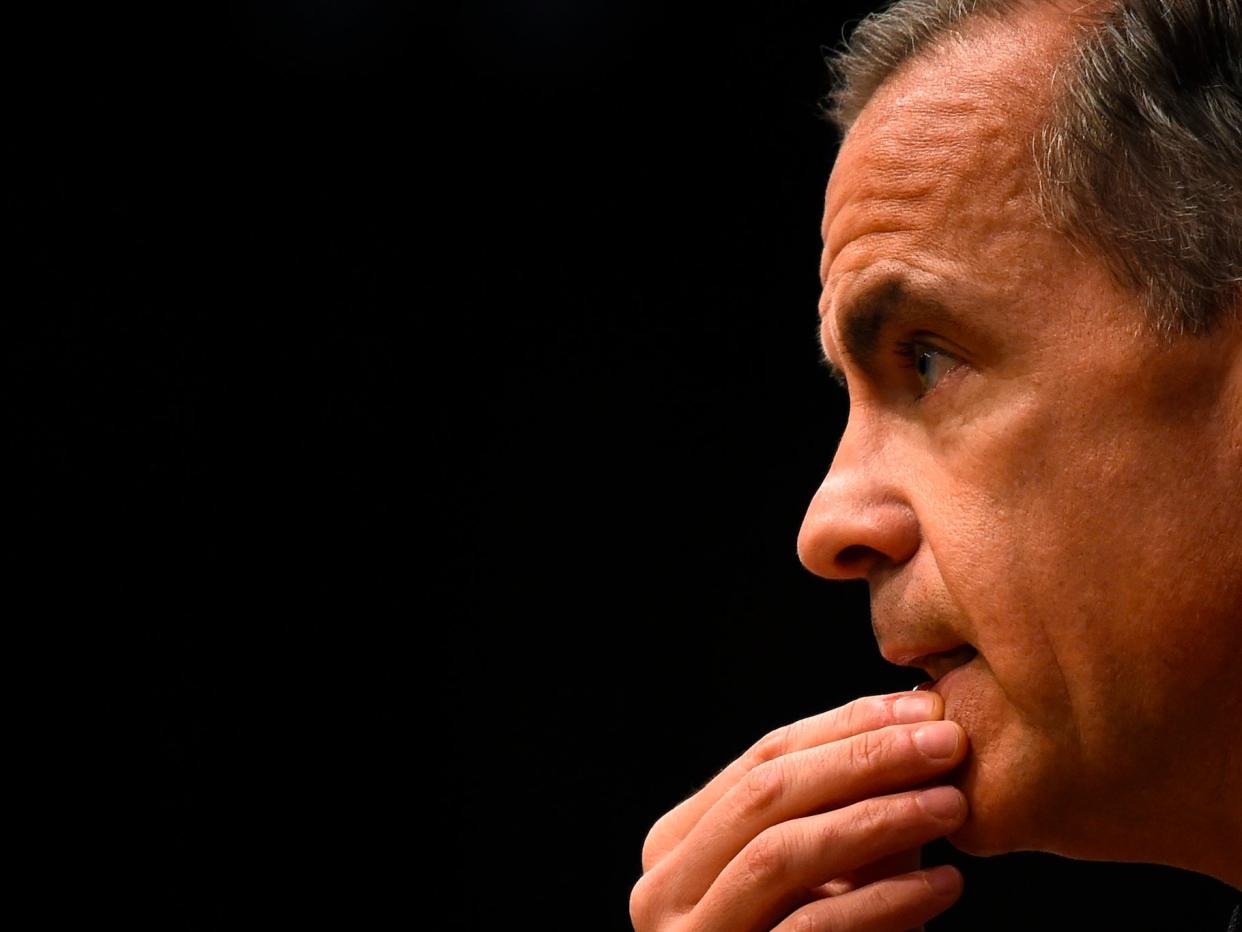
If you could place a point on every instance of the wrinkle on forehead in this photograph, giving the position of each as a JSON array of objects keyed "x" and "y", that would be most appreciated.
[
  {"x": 959, "y": 116},
  {"x": 917, "y": 164}
]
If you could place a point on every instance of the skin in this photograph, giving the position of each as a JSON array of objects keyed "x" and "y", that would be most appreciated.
[
  {"x": 1050, "y": 485},
  {"x": 813, "y": 828},
  {"x": 1064, "y": 497}
]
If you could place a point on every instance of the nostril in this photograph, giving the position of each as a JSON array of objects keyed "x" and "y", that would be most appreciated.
[{"x": 853, "y": 554}]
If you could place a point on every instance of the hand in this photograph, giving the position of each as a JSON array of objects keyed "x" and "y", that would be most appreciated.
[{"x": 814, "y": 829}]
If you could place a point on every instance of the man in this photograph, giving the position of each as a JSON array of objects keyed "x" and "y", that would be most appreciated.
[{"x": 1032, "y": 276}]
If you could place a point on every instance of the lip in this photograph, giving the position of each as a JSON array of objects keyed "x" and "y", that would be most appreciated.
[
  {"x": 943, "y": 662},
  {"x": 939, "y": 685},
  {"x": 914, "y": 655}
]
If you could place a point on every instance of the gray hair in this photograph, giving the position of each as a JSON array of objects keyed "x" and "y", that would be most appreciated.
[{"x": 1140, "y": 155}]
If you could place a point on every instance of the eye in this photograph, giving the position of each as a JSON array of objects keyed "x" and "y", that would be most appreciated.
[{"x": 930, "y": 363}]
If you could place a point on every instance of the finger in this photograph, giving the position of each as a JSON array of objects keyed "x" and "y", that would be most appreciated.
[
  {"x": 895, "y": 904},
  {"x": 861, "y": 715},
  {"x": 903, "y": 862},
  {"x": 785, "y": 861},
  {"x": 810, "y": 781}
]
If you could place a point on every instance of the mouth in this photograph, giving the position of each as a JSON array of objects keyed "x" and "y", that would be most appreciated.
[{"x": 939, "y": 665}]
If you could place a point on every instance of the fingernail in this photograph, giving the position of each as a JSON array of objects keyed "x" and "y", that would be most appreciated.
[
  {"x": 939, "y": 739},
  {"x": 910, "y": 709},
  {"x": 942, "y": 802},
  {"x": 942, "y": 879}
]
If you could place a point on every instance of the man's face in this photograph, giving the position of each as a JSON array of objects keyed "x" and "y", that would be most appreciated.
[{"x": 1063, "y": 497}]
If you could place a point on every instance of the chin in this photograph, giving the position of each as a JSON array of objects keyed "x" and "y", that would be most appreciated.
[
  {"x": 1000, "y": 819},
  {"x": 1007, "y": 777},
  {"x": 986, "y": 830}
]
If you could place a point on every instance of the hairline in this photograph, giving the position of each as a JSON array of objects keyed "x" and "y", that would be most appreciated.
[{"x": 1179, "y": 294}]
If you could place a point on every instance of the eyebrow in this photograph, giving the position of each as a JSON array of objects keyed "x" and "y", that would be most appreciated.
[{"x": 869, "y": 314}]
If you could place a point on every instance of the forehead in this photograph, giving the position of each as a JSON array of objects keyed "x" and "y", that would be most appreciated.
[{"x": 941, "y": 153}]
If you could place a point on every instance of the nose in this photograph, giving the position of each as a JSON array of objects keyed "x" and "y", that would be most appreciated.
[{"x": 859, "y": 521}]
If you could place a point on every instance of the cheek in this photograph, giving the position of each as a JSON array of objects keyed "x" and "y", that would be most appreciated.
[
  {"x": 1090, "y": 553},
  {"x": 1023, "y": 709},
  {"x": 1053, "y": 535},
  {"x": 1021, "y": 566},
  {"x": 1002, "y": 592}
]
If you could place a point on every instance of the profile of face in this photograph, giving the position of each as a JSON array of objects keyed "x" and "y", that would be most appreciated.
[{"x": 1027, "y": 471}]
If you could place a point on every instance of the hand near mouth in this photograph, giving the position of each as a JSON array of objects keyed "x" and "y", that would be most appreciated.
[{"x": 818, "y": 826}]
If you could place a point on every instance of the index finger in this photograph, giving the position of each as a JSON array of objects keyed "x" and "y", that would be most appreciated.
[{"x": 864, "y": 714}]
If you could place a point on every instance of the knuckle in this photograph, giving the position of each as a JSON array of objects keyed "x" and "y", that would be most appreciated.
[
  {"x": 657, "y": 844},
  {"x": 866, "y": 750},
  {"x": 860, "y": 715},
  {"x": 776, "y": 743},
  {"x": 870, "y": 818},
  {"x": 644, "y": 904},
  {"x": 821, "y": 916},
  {"x": 851, "y": 716},
  {"x": 766, "y": 857},
  {"x": 763, "y": 786},
  {"x": 791, "y": 735},
  {"x": 651, "y": 850},
  {"x": 883, "y": 899},
  {"x": 653, "y": 901},
  {"x": 803, "y": 921},
  {"x": 639, "y": 904}
]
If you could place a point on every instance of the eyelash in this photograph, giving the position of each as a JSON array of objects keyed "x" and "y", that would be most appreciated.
[{"x": 905, "y": 349}]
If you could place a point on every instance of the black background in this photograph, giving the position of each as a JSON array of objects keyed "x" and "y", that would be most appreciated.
[{"x": 414, "y": 419}]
